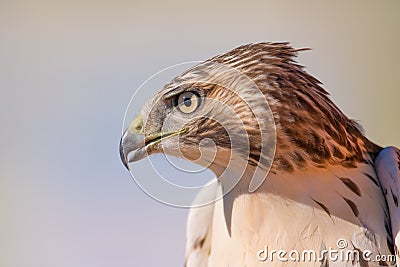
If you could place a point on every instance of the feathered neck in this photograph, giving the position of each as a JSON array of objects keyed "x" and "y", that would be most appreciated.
[{"x": 310, "y": 128}]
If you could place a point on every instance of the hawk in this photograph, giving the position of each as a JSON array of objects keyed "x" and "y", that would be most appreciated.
[{"x": 305, "y": 176}]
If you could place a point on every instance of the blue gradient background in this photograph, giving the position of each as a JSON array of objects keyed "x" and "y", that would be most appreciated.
[{"x": 68, "y": 70}]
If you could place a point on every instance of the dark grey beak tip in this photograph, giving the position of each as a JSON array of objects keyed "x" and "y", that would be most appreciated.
[
  {"x": 131, "y": 142},
  {"x": 122, "y": 155}
]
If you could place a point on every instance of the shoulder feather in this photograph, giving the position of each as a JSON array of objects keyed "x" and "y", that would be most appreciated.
[
  {"x": 199, "y": 230},
  {"x": 388, "y": 169}
]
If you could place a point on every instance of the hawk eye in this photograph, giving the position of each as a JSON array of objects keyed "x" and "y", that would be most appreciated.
[{"x": 188, "y": 102}]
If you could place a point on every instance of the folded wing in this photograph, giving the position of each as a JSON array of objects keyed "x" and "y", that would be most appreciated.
[{"x": 387, "y": 166}]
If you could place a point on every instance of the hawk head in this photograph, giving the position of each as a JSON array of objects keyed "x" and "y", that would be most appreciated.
[{"x": 254, "y": 102}]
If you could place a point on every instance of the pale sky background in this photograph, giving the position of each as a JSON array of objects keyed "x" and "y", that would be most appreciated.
[{"x": 68, "y": 70}]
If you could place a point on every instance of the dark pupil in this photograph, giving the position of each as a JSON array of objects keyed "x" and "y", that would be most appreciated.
[{"x": 187, "y": 102}]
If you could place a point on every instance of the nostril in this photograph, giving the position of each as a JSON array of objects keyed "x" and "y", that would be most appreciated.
[
  {"x": 137, "y": 124},
  {"x": 139, "y": 127}
]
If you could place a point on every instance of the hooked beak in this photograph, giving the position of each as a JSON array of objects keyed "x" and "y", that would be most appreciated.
[
  {"x": 135, "y": 144},
  {"x": 132, "y": 142}
]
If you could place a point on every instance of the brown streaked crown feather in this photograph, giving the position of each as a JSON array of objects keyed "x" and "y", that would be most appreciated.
[
  {"x": 309, "y": 124},
  {"x": 310, "y": 128}
]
